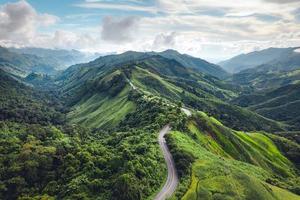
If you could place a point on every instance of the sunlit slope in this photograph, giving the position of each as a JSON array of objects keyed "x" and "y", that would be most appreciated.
[
  {"x": 227, "y": 164},
  {"x": 100, "y": 110},
  {"x": 89, "y": 93},
  {"x": 99, "y": 95},
  {"x": 105, "y": 104},
  {"x": 281, "y": 104},
  {"x": 202, "y": 93}
]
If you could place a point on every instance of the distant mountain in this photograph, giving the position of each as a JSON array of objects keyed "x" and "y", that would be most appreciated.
[
  {"x": 59, "y": 58},
  {"x": 23, "y": 64},
  {"x": 282, "y": 71},
  {"x": 99, "y": 121},
  {"x": 102, "y": 87},
  {"x": 22, "y": 103},
  {"x": 253, "y": 59},
  {"x": 110, "y": 61},
  {"x": 196, "y": 63},
  {"x": 282, "y": 104},
  {"x": 92, "y": 85}
]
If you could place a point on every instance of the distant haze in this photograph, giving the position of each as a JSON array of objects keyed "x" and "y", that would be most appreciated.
[{"x": 210, "y": 29}]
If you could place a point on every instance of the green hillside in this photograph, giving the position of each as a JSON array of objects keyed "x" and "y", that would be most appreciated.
[
  {"x": 256, "y": 58},
  {"x": 216, "y": 162},
  {"x": 59, "y": 58},
  {"x": 266, "y": 80},
  {"x": 195, "y": 63},
  {"x": 88, "y": 93},
  {"x": 102, "y": 109},
  {"x": 99, "y": 95},
  {"x": 68, "y": 161},
  {"x": 23, "y": 64},
  {"x": 280, "y": 71},
  {"x": 91, "y": 133},
  {"x": 282, "y": 104},
  {"x": 21, "y": 103}
]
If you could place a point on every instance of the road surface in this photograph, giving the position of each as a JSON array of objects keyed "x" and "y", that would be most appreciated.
[
  {"x": 131, "y": 84},
  {"x": 172, "y": 179},
  {"x": 186, "y": 111}
]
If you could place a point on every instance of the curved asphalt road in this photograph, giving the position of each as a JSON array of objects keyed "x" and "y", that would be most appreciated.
[{"x": 172, "y": 180}]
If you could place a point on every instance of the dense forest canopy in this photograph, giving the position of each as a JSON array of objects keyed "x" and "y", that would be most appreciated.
[{"x": 91, "y": 131}]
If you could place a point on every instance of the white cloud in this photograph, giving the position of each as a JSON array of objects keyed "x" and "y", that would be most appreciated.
[
  {"x": 113, "y": 6},
  {"x": 119, "y": 29},
  {"x": 206, "y": 28},
  {"x": 282, "y": 1},
  {"x": 164, "y": 41},
  {"x": 69, "y": 40},
  {"x": 19, "y": 22}
]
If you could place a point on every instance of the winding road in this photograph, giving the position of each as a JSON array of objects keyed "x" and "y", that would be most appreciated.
[{"x": 172, "y": 179}]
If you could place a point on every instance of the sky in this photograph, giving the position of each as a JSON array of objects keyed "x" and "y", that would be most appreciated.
[{"x": 211, "y": 29}]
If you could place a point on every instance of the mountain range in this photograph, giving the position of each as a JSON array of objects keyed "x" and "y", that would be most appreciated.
[
  {"x": 23, "y": 61},
  {"x": 90, "y": 131},
  {"x": 271, "y": 88},
  {"x": 256, "y": 58}
]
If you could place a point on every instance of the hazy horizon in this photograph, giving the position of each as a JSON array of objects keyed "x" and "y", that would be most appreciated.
[{"x": 211, "y": 30}]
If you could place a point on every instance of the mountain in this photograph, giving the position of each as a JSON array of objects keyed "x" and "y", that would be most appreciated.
[
  {"x": 216, "y": 162},
  {"x": 59, "y": 58},
  {"x": 196, "y": 63},
  {"x": 272, "y": 89},
  {"x": 23, "y": 64},
  {"x": 22, "y": 103},
  {"x": 274, "y": 74},
  {"x": 281, "y": 104},
  {"x": 90, "y": 87},
  {"x": 253, "y": 59},
  {"x": 129, "y": 56},
  {"x": 97, "y": 86},
  {"x": 91, "y": 132}
]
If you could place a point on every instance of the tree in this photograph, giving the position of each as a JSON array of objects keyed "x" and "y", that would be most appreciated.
[{"x": 126, "y": 188}]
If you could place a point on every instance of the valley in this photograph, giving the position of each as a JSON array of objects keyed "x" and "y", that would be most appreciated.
[{"x": 149, "y": 125}]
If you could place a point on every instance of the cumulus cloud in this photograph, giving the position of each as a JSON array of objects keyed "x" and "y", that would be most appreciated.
[
  {"x": 69, "y": 40},
  {"x": 165, "y": 40},
  {"x": 119, "y": 30},
  {"x": 206, "y": 28},
  {"x": 282, "y": 1},
  {"x": 114, "y": 6},
  {"x": 19, "y": 22}
]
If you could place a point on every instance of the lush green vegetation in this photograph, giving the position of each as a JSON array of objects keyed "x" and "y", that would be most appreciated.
[
  {"x": 251, "y": 60},
  {"x": 122, "y": 101},
  {"x": 43, "y": 161},
  {"x": 73, "y": 163},
  {"x": 21, "y": 103},
  {"x": 281, "y": 104},
  {"x": 23, "y": 64},
  {"x": 70, "y": 162},
  {"x": 216, "y": 162},
  {"x": 202, "y": 95}
]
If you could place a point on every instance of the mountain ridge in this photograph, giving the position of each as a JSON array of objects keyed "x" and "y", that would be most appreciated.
[{"x": 250, "y": 60}]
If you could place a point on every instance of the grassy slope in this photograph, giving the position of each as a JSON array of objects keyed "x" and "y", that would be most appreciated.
[
  {"x": 101, "y": 110},
  {"x": 161, "y": 77},
  {"x": 203, "y": 99},
  {"x": 220, "y": 169},
  {"x": 268, "y": 80},
  {"x": 281, "y": 104},
  {"x": 159, "y": 86}
]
